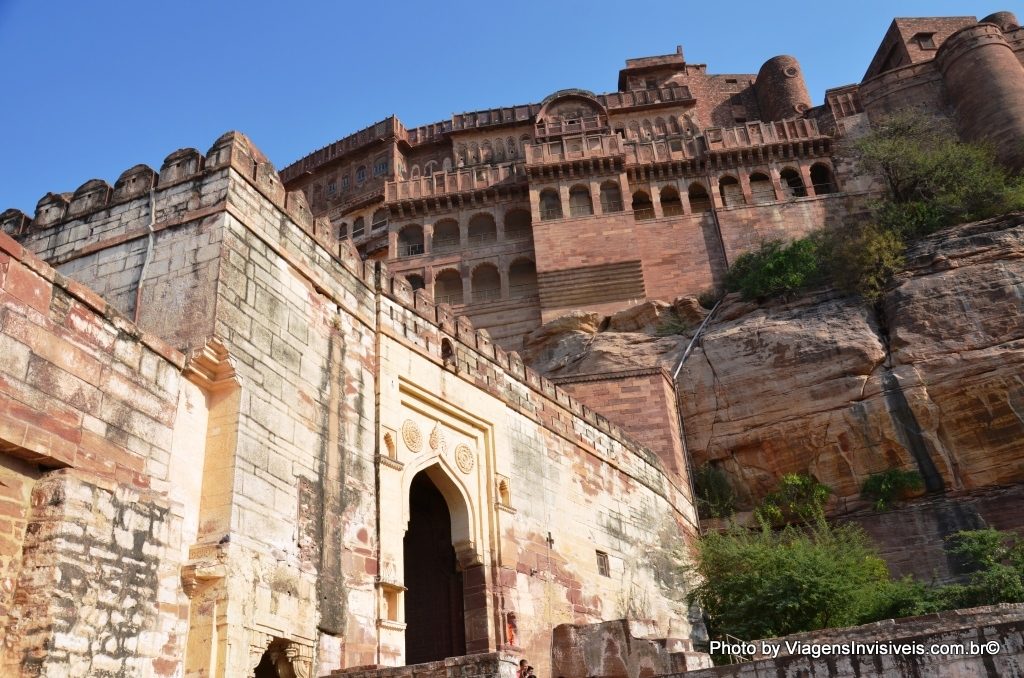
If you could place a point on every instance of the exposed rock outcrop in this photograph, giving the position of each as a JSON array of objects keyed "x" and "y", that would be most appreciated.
[{"x": 932, "y": 379}]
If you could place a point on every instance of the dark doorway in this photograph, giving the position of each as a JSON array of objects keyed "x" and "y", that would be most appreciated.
[{"x": 435, "y": 625}]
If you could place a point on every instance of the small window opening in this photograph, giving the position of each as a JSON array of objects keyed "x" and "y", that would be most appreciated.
[{"x": 603, "y": 568}]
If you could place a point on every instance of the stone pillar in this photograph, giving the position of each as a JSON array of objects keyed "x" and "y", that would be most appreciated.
[
  {"x": 428, "y": 238},
  {"x": 744, "y": 178},
  {"x": 595, "y": 196},
  {"x": 805, "y": 176}
]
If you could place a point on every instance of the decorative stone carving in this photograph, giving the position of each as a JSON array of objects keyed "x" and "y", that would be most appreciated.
[
  {"x": 438, "y": 442},
  {"x": 464, "y": 458},
  {"x": 412, "y": 436}
]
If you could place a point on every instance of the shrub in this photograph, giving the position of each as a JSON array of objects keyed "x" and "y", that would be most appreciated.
[
  {"x": 799, "y": 498},
  {"x": 997, "y": 562},
  {"x": 763, "y": 583},
  {"x": 884, "y": 488},
  {"x": 776, "y": 268},
  {"x": 715, "y": 496},
  {"x": 860, "y": 260},
  {"x": 708, "y": 298}
]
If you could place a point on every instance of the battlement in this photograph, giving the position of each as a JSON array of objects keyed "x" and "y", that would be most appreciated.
[{"x": 59, "y": 211}]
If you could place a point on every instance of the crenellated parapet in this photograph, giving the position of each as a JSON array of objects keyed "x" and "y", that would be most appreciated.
[{"x": 232, "y": 149}]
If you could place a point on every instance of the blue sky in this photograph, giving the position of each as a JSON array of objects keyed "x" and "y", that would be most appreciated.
[{"x": 92, "y": 88}]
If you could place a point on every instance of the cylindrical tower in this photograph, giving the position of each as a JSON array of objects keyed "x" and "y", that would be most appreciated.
[
  {"x": 1006, "y": 21},
  {"x": 985, "y": 83},
  {"x": 780, "y": 88}
]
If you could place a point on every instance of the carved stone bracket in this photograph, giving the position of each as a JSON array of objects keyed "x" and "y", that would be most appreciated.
[{"x": 211, "y": 367}]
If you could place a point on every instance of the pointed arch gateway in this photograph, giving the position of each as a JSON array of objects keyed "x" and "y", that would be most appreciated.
[{"x": 435, "y": 595}]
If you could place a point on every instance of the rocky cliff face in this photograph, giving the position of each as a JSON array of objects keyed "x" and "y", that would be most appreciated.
[{"x": 932, "y": 379}]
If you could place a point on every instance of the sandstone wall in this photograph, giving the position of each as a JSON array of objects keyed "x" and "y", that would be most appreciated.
[
  {"x": 286, "y": 508},
  {"x": 91, "y": 511}
]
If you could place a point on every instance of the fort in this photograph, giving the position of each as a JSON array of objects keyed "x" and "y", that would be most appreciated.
[{"x": 278, "y": 424}]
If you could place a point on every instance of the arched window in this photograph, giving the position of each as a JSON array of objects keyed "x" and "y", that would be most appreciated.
[
  {"x": 415, "y": 172},
  {"x": 761, "y": 189},
  {"x": 510, "y": 144},
  {"x": 342, "y": 230},
  {"x": 642, "y": 206},
  {"x": 700, "y": 201},
  {"x": 410, "y": 240},
  {"x": 430, "y": 168},
  {"x": 482, "y": 229},
  {"x": 634, "y": 130},
  {"x": 821, "y": 179},
  {"x": 358, "y": 227},
  {"x": 579, "y": 202},
  {"x": 729, "y": 189},
  {"x": 550, "y": 205},
  {"x": 486, "y": 283},
  {"x": 446, "y": 236},
  {"x": 361, "y": 174},
  {"x": 416, "y": 281},
  {"x": 659, "y": 127},
  {"x": 671, "y": 205},
  {"x": 517, "y": 225},
  {"x": 793, "y": 184},
  {"x": 648, "y": 130},
  {"x": 380, "y": 220},
  {"x": 448, "y": 287},
  {"x": 673, "y": 125},
  {"x": 522, "y": 278},
  {"x": 611, "y": 197}
]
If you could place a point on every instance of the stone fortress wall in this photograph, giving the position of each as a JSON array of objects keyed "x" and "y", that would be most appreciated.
[{"x": 310, "y": 389}]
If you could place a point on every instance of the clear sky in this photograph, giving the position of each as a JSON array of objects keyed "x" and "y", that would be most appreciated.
[{"x": 91, "y": 88}]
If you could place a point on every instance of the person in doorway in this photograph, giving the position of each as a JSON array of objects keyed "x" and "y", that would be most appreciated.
[{"x": 523, "y": 665}]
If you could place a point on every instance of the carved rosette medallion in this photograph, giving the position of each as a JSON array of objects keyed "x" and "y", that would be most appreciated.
[
  {"x": 438, "y": 443},
  {"x": 464, "y": 458},
  {"x": 412, "y": 436}
]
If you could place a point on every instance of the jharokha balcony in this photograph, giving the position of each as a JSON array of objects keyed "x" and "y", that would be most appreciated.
[{"x": 578, "y": 148}]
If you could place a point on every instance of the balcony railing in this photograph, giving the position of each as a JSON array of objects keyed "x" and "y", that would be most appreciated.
[
  {"x": 672, "y": 209},
  {"x": 549, "y": 214},
  {"x": 410, "y": 250},
  {"x": 720, "y": 138},
  {"x": 574, "y": 149},
  {"x": 580, "y": 210},
  {"x": 611, "y": 206},
  {"x": 522, "y": 234},
  {"x": 480, "y": 296},
  {"x": 643, "y": 213},
  {"x": 455, "y": 181}
]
